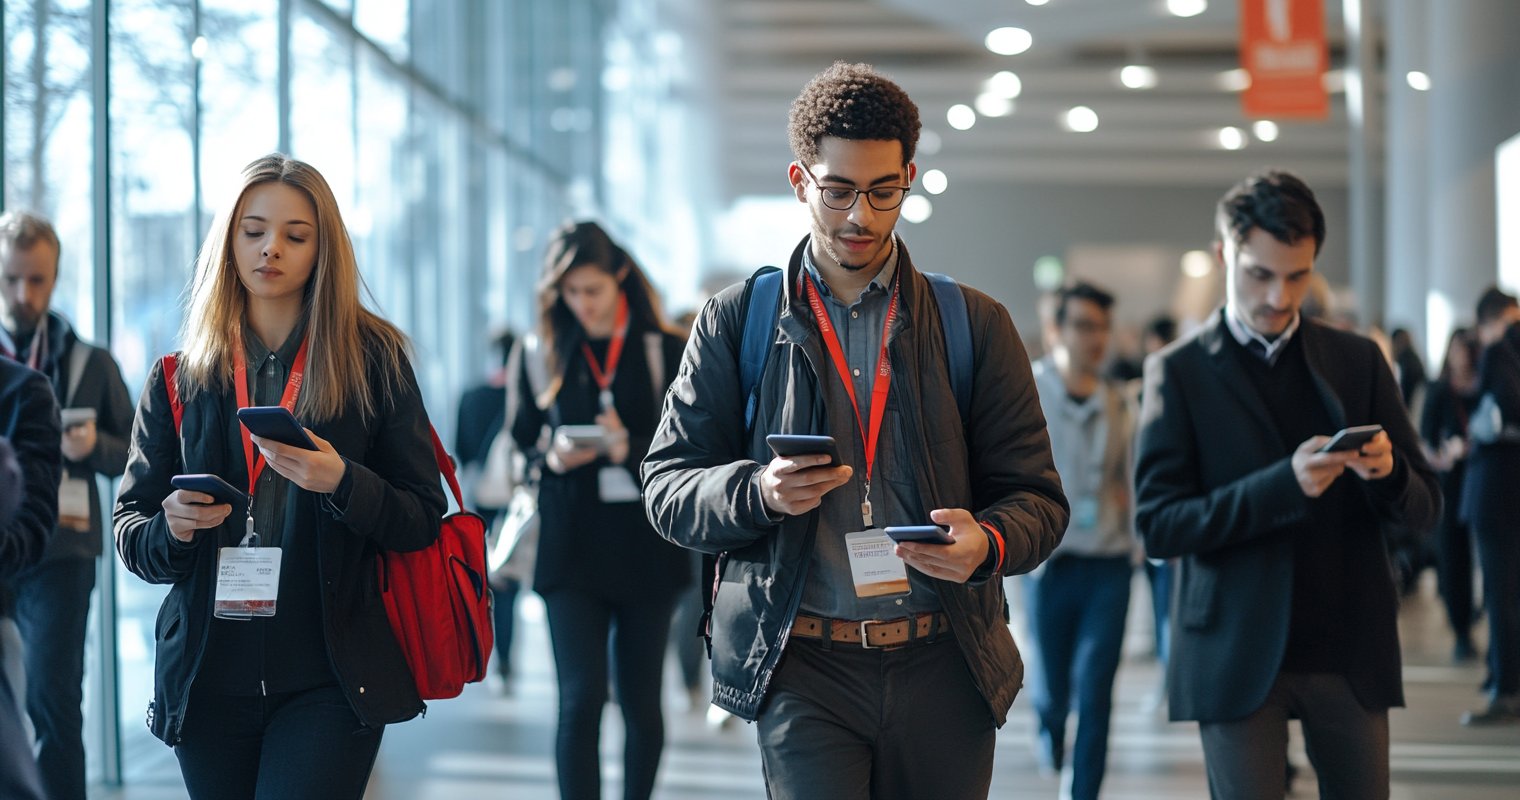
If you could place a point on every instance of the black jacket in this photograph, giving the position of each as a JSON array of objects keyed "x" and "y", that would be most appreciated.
[
  {"x": 29, "y": 419},
  {"x": 701, "y": 478},
  {"x": 607, "y": 549},
  {"x": 1490, "y": 500},
  {"x": 1215, "y": 487},
  {"x": 396, "y": 503},
  {"x": 101, "y": 388}
]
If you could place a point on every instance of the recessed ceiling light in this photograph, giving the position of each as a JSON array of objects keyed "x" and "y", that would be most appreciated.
[
  {"x": 1005, "y": 84},
  {"x": 929, "y": 142},
  {"x": 1418, "y": 81},
  {"x": 1187, "y": 8},
  {"x": 1232, "y": 138},
  {"x": 993, "y": 105},
  {"x": 1081, "y": 119},
  {"x": 960, "y": 116},
  {"x": 1037, "y": 2},
  {"x": 1009, "y": 41},
  {"x": 1265, "y": 130},
  {"x": 1197, "y": 264},
  {"x": 1138, "y": 76},
  {"x": 917, "y": 208},
  {"x": 1233, "y": 80},
  {"x": 935, "y": 181}
]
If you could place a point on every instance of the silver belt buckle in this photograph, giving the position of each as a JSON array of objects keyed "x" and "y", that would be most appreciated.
[{"x": 865, "y": 639}]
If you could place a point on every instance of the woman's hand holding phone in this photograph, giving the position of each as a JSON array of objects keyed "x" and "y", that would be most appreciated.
[
  {"x": 319, "y": 470},
  {"x": 188, "y": 512},
  {"x": 617, "y": 435}
]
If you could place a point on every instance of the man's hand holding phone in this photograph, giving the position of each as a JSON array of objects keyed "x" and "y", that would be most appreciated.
[
  {"x": 951, "y": 562},
  {"x": 795, "y": 485},
  {"x": 1317, "y": 470}
]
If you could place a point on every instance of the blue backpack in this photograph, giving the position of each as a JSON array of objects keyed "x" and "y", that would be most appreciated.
[{"x": 762, "y": 306}]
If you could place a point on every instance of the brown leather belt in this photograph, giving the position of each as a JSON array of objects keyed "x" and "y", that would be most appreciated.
[{"x": 870, "y": 634}]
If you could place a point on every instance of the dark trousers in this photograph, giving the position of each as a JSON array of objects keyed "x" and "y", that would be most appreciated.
[
  {"x": 288, "y": 746},
  {"x": 582, "y": 626},
  {"x": 1076, "y": 608},
  {"x": 18, "y": 769},
  {"x": 1454, "y": 573},
  {"x": 687, "y": 639},
  {"x": 853, "y": 724},
  {"x": 1347, "y": 744},
  {"x": 52, "y": 609},
  {"x": 1499, "y": 555},
  {"x": 503, "y": 618}
]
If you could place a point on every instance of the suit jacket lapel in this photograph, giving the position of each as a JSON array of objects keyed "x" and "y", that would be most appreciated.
[
  {"x": 1232, "y": 375},
  {"x": 1313, "y": 344}
]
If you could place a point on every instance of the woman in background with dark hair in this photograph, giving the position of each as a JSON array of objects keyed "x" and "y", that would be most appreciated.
[
  {"x": 1449, "y": 401},
  {"x": 608, "y": 359}
]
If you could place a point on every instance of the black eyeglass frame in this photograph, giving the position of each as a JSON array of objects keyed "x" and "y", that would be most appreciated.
[{"x": 823, "y": 196}]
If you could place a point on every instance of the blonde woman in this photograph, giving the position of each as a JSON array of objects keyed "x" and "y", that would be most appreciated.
[{"x": 290, "y": 705}]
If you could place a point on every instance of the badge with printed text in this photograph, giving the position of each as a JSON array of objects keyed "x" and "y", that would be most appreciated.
[
  {"x": 74, "y": 504},
  {"x": 247, "y": 582},
  {"x": 875, "y": 566}
]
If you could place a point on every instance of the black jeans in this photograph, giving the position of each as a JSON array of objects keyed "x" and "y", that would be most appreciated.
[
  {"x": 1347, "y": 744},
  {"x": 287, "y": 746},
  {"x": 1499, "y": 555},
  {"x": 503, "y": 619},
  {"x": 852, "y": 724},
  {"x": 18, "y": 769},
  {"x": 52, "y": 609},
  {"x": 582, "y": 626}
]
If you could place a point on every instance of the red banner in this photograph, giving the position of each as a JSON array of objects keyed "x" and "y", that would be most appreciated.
[{"x": 1282, "y": 46}]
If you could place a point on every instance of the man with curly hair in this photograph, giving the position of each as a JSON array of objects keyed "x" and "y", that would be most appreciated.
[
  {"x": 1284, "y": 605},
  {"x": 874, "y": 669}
]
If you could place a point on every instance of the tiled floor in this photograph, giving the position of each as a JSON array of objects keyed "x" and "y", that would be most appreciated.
[{"x": 492, "y": 745}]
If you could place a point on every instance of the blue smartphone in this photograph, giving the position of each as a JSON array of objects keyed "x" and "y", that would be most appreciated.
[
  {"x": 276, "y": 424},
  {"x": 787, "y": 445},
  {"x": 923, "y": 534},
  {"x": 220, "y": 490}
]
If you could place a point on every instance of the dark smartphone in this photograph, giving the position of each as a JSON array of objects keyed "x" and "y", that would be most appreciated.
[
  {"x": 277, "y": 424},
  {"x": 1352, "y": 438},
  {"x": 924, "y": 534},
  {"x": 787, "y": 445},
  {"x": 219, "y": 489}
]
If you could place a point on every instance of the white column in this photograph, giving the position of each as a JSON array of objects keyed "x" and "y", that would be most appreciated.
[
  {"x": 1474, "y": 106},
  {"x": 1364, "y": 113},
  {"x": 1406, "y": 220}
]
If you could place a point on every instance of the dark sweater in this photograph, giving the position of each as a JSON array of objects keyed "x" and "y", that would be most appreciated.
[{"x": 1316, "y": 627}]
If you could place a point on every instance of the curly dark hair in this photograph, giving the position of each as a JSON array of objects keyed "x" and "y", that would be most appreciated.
[
  {"x": 1278, "y": 202},
  {"x": 851, "y": 101}
]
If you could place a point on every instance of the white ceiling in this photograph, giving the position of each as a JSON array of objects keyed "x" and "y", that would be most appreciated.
[{"x": 933, "y": 48}]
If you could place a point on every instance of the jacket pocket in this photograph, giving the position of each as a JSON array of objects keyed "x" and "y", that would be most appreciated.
[{"x": 1197, "y": 593}]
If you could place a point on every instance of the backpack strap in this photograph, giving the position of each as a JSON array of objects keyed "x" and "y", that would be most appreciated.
[
  {"x": 762, "y": 305},
  {"x": 956, "y": 321},
  {"x": 446, "y": 466},
  {"x": 79, "y": 357},
  {"x": 171, "y": 367}
]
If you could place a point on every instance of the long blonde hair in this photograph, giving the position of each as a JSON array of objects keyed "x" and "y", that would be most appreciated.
[{"x": 342, "y": 331}]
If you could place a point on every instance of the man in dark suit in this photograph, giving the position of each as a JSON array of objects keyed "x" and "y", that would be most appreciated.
[
  {"x": 1284, "y": 604},
  {"x": 1491, "y": 506}
]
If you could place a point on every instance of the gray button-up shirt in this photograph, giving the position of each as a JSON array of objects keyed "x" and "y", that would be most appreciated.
[
  {"x": 830, "y": 589},
  {"x": 267, "y": 373}
]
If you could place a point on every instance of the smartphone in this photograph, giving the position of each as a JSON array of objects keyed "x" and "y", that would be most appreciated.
[
  {"x": 275, "y": 423},
  {"x": 592, "y": 437},
  {"x": 76, "y": 416},
  {"x": 1352, "y": 438},
  {"x": 219, "y": 489},
  {"x": 923, "y": 534},
  {"x": 787, "y": 445}
]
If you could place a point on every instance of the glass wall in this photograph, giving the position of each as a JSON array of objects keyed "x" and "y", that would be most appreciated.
[{"x": 456, "y": 135}]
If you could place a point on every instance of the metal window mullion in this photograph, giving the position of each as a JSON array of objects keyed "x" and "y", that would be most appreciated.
[{"x": 100, "y": 191}]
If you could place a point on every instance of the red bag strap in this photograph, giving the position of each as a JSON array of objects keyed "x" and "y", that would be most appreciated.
[
  {"x": 446, "y": 466},
  {"x": 171, "y": 367}
]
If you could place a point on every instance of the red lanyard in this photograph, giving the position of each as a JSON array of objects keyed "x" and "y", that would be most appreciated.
[
  {"x": 879, "y": 388},
  {"x": 614, "y": 354},
  {"x": 288, "y": 400}
]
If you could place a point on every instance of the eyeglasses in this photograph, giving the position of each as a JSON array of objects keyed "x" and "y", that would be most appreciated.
[{"x": 843, "y": 198}]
